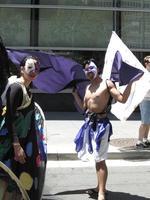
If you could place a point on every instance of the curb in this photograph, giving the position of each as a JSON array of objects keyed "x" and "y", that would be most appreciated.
[
  {"x": 120, "y": 148},
  {"x": 62, "y": 156},
  {"x": 132, "y": 154}
]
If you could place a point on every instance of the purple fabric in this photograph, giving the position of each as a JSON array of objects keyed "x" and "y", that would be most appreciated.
[
  {"x": 122, "y": 72},
  {"x": 56, "y": 72},
  {"x": 89, "y": 127}
]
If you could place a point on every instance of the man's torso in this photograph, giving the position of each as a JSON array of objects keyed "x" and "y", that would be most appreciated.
[{"x": 97, "y": 97}]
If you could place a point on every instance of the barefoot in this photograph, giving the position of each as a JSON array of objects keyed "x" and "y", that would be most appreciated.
[{"x": 101, "y": 196}]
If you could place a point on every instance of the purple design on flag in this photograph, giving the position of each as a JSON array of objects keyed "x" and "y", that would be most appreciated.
[
  {"x": 56, "y": 72},
  {"x": 122, "y": 72}
]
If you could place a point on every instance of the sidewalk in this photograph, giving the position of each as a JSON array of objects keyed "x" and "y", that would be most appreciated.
[{"x": 63, "y": 126}]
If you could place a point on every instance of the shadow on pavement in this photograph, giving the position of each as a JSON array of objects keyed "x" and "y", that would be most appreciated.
[
  {"x": 119, "y": 196},
  {"x": 69, "y": 192},
  {"x": 124, "y": 196},
  {"x": 50, "y": 197},
  {"x": 109, "y": 195}
]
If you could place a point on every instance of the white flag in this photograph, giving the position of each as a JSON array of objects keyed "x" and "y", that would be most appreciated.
[{"x": 121, "y": 66}]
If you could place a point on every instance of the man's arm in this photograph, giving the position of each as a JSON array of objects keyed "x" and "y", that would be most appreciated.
[
  {"x": 120, "y": 97},
  {"x": 78, "y": 99}
]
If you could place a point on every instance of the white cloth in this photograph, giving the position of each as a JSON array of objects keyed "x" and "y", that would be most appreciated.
[
  {"x": 97, "y": 156},
  {"x": 138, "y": 91},
  {"x": 147, "y": 96},
  {"x": 139, "y": 88}
]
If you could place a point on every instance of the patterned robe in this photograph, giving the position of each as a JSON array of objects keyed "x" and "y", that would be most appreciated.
[{"x": 28, "y": 124}]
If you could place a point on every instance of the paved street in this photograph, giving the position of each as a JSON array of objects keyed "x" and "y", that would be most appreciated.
[
  {"x": 70, "y": 180},
  {"x": 67, "y": 178}
]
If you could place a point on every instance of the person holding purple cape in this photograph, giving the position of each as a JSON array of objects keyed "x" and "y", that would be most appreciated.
[{"x": 92, "y": 140}]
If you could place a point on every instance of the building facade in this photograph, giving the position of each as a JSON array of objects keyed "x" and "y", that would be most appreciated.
[{"x": 76, "y": 28}]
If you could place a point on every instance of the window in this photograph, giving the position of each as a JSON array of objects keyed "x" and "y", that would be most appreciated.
[
  {"x": 135, "y": 3},
  {"x": 74, "y": 28},
  {"x": 132, "y": 21},
  {"x": 15, "y": 26}
]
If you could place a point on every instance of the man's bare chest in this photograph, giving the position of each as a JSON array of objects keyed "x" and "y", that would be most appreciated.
[{"x": 97, "y": 96}]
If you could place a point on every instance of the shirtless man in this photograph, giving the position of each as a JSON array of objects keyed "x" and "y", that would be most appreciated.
[{"x": 93, "y": 137}]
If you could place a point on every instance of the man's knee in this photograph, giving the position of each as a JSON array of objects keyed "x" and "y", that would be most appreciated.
[{"x": 101, "y": 165}]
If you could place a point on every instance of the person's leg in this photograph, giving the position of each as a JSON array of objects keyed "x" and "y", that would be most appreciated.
[
  {"x": 101, "y": 167},
  {"x": 102, "y": 174},
  {"x": 144, "y": 127},
  {"x": 96, "y": 189},
  {"x": 97, "y": 173},
  {"x": 142, "y": 132}
]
